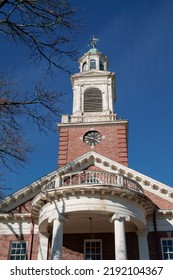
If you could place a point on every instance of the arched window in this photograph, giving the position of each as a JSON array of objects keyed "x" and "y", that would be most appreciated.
[
  {"x": 92, "y": 64},
  {"x": 84, "y": 66},
  {"x": 101, "y": 65},
  {"x": 93, "y": 100}
]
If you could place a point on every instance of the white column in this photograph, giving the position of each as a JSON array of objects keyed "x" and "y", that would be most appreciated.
[
  {"x": 120, "y": 237},
  {"x": 43, "y": 247},
  {"x": 57, "y": 239},
  {"x": 143, "y": 245}
]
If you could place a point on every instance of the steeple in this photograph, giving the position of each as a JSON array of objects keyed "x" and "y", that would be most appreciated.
[
  {"x": 93, "y": 88},
  {"x": 93, "y": 124}
]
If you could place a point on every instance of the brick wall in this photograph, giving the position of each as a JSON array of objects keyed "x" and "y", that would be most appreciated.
[
  {"x": 160, "y": 202},
  {"x": 23, "y": 209},
  {"x": 154, "y": 244},
  {"x": 113, "y": 144},
  {"x": 5, "y": 241},
  {"x": 73, "y": 246}
]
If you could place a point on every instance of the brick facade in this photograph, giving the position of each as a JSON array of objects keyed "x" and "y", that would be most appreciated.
[
  {"x": 160, "y": 202},
  {"x": 113, "y": 144},
  {"x": 73, "y": 245},
  {"x": 32, "y": 249}
]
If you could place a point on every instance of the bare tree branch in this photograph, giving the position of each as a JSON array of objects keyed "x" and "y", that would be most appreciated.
[
  {"x": 46, "y": 27},
  {"x": 16, "y": 108}
]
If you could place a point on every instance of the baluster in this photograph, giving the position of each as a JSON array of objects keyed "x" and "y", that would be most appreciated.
[
  {"x": 87, "y": 178},
  {"x": 99, "y": 179},
  {"x": 79, "y": 178},
  {"x": 125, "y": 182},
  {"x": 105, "y": 178},
  {"x": 71, "y": 179},
  {"x": 111, "y": 181},
  {"x": 118, "y": 180},
  {"x": 115, "y": 180},
  {"x": 91, "y": 177},
  {"x": 102, "y": 177}
]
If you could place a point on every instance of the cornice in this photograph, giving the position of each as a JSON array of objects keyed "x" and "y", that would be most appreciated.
[
  {"x": 99, "y": 123},
  {"x": 90, "y": 158},
  {"x": 97, "y": 190},
  {"x": 14, "y": 217},
  {"x": 160, "y": 189}
]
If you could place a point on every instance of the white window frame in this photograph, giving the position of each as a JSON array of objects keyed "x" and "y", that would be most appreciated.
[
  {"x": 167, "y": 252},
  {"x": 18, "y": 253},
  {"x": 95, "y": 254},
  {"x": 92, "y": 64}
]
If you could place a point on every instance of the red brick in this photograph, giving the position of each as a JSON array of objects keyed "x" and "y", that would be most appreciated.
[{"x": 110, "y": 145}]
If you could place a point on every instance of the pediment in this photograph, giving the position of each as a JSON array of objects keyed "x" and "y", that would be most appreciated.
[
  {"x": 148, "y": 184},
  {"x": 82, "y": 163}
]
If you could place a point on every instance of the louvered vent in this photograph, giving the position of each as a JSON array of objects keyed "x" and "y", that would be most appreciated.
[{"x": 92, "y": 100}]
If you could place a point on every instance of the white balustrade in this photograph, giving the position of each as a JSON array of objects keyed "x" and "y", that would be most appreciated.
[{"x": 102, "y": 178}]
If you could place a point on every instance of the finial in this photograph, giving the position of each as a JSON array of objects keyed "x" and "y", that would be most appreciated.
[{"x": 94, "y": 42}]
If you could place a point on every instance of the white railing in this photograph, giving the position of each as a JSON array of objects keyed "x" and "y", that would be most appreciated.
[
  {"x": 88, "y": 117},
  {"x": 102, "y": 178}
]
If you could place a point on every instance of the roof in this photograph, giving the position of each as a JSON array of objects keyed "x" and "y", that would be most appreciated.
[{"x": 91, "y": 158}]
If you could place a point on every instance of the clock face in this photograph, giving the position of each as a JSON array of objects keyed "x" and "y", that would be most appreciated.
[{"x": 91, "y": 138}]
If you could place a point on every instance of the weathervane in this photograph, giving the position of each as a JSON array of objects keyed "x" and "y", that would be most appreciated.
[{"x": 94, "y": 42}]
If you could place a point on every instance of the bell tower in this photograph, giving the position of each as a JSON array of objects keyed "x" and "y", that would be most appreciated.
[
  {"x": 93, "y": 123},
  {"x": 93, "y": 87}
]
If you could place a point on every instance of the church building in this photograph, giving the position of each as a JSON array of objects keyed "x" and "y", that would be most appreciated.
[{"x": 93, "y": 206}]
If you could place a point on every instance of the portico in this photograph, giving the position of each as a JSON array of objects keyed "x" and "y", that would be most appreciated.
[{"x": 72, "y": 208}]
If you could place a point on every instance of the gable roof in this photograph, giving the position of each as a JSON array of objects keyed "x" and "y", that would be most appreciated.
[
  {"x": 109, "y": 165},
  {"x": 91, "y": 158}
]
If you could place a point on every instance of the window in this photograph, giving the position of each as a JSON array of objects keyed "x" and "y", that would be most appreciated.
[
  {"x": 18, "y": 250},
  {"x": 84, "y": 66},
  {"x": 101, "y": 65},
  {"x": 167, "y": 248},
  {"x": 92, "y": 100},
  {"x": 93, "y": 249},
  {"x": 92, "y": 64}
]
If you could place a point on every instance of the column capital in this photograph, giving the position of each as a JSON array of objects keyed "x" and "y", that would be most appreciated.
[
  {"x": 60, "y": 218},
  {"x": 120, "y": 217}
]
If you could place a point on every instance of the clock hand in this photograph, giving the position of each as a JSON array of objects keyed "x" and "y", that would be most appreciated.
[{"x": 88, "y": 137}]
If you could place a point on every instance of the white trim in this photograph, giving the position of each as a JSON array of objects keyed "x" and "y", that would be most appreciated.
[
  {"x": 30, "y": 191},
  {"x": 168, "y": 253},
  {"x": 10, "y": 248}
]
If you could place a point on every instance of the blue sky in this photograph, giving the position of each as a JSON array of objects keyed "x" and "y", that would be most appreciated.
[{"x": 137, "y": 37}]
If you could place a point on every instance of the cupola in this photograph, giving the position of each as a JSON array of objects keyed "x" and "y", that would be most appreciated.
[{"x": 93, "y": 59}]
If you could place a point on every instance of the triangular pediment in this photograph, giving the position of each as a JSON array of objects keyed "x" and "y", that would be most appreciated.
[
  {"x": 84, "y": 162},
  {"x": 91, "y": 158}
]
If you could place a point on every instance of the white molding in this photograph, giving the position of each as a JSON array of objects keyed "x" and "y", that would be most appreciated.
[{"x": 30, "y": 191}]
